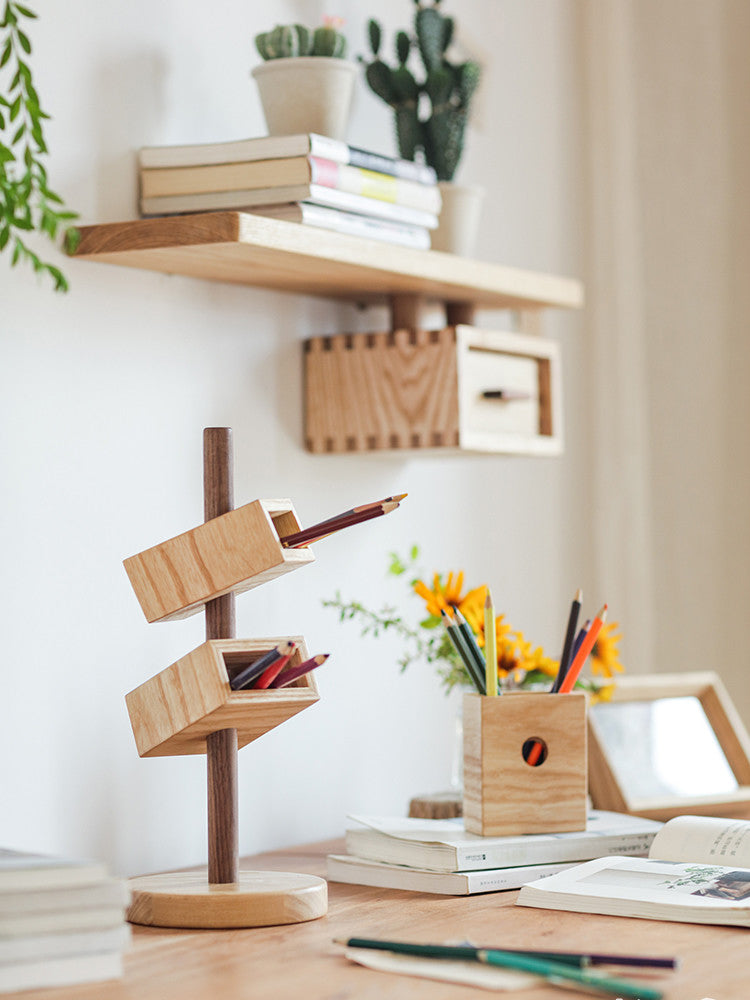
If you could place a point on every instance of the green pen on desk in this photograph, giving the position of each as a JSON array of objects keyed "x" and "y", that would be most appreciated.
[{"x": 556, "y": 973}]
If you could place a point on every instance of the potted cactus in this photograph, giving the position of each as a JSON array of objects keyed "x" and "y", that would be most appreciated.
[
  {"x": 305, "y": 82},
  {"x": 431, "y": 114}
]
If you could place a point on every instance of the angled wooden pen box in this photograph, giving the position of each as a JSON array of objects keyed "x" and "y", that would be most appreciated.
[
  {"x": 504, "y": 794},
  {"x": 231, "y": 553},
  {"x": 458, "y": 388},
  {"x": 174, "y": 711}
]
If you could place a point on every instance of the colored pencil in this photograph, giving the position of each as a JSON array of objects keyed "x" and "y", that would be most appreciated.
[
  {"x": 490, "y": 646},
  {"x": 271, "y": 673},
  {"x": 459, "y": 644},
  {"x": 570, "y": 634},
  {"x": 476, "y": 653},
  {"x": 586, "y": 646},
  {"x": 558, "y": 973},
  {"x": 248, "y": 674},
  {"x": 292, "y": 673},
  {"x": 579, "y": 959},
  {"x": 365, "y": 506},
  {"x": 508, "y": 395},
  {"x": 317, "y": 531}
]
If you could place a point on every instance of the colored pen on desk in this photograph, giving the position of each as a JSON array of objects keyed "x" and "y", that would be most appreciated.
[
  {"x": 570, "y": 635},
  {"x": 490, "y": 646},
  {"x": 558, "y": 973},
  {"x": 459, "y": 644}
]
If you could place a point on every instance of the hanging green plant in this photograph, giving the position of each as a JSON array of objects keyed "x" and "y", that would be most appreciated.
[{"x": 27, "y": 203}]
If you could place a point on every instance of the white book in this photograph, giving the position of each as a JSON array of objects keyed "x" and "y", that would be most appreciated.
[
  {"x": 318, "y": 194},
  {"x": 321, "y": 217},
  {"x": 444, "y": 845},
  {"x": 270, "y": 147},
  {"x": 108, "y": 892},
  {"x": 360, "y": 871},
  {"x": 22, "y": 924},
  {"x": 60, "y": 971},
  {"x": 42, "y": 946},
  {"x": 697, "y": 871},
  {"x": 20, "y": 870}
]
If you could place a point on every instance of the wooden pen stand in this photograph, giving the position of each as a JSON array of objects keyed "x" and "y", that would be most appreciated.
[
  {"x": 504, "y": 793},
  {"x": 173, "y": 713},
  {"x": 228, "y": 554}
]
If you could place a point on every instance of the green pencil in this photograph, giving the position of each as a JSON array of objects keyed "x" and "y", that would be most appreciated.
[
  {"x": 556, "y": 973},
  {"x": 467, "y": 632},
  {"x": 461, "y": 647}
]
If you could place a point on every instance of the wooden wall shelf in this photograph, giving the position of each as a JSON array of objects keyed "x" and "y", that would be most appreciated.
[{"x": 246, "y": 249}]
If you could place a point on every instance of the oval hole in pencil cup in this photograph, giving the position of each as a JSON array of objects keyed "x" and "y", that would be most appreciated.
[{"x": 533, "y": 756}]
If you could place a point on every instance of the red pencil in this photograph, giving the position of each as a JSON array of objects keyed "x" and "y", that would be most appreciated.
[
  {"x": 586, "y": 646},
  {"x": 271, "y": 673},
  {"x": 318, "y": 531}
]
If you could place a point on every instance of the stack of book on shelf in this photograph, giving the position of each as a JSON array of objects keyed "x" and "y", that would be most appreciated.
[
  {"x": 435, "y": 855},
  {"x": 61, "y": 922},
  {"x": 304, "y": 178}
]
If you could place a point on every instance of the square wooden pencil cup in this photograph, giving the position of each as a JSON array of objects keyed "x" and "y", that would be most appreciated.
[
  {"x": 174, "y": 712},
  {"x": 525, "y": 763},
  {"x": 228, "y": 554}
]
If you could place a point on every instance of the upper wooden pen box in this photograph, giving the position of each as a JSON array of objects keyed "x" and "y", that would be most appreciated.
[{"x": 231, "y": 553}]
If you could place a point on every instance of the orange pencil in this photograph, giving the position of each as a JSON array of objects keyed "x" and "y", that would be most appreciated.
[
  {"x": 586, "y": 646},
  {"x": 271, "y": 673}
]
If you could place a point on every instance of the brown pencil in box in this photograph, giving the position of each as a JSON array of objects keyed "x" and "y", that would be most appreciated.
[
  {"x": 292, "y": 673},
  {"x": 318, "y": 531}
]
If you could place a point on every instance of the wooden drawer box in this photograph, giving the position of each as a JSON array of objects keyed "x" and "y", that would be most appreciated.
[
  {"x": 173, "y": 712},
  {"x": 433, "y": 389},
  {"x": 231, "y": 553}
]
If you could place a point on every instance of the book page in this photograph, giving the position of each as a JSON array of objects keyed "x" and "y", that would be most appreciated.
[{"x": 705, "y": 840}]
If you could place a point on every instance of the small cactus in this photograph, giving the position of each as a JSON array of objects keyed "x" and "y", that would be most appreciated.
[
  {"x": 447, "y": 88},
  {"x": 289, "y": 40}
]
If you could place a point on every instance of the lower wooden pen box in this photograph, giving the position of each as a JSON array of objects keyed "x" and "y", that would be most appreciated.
[
  {"x": 174, "y": 711},
  {"x": 504, "y": 793}
]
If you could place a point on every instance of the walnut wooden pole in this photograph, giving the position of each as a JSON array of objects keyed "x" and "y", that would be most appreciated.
[{"x": 221, "y": 746}]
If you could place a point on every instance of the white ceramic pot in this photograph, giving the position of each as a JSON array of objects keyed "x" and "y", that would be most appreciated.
[
  {"x": 459, "y": 218},
  {"x": 306, "y": 94}
]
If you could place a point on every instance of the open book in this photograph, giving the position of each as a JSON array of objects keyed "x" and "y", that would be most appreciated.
[{"x": 697, "y": 871}]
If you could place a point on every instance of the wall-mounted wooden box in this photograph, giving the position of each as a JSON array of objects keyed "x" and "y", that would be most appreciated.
[
  {"x": 433, "y": 389},
  {"x": 504, "y": 794},
  {"x": 173, "y": 712},
  {"x": 231, "y": 553}
]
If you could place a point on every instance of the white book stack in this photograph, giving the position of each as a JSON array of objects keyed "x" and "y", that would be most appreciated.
[
  {"x": 308, "y": 179},
  {"x": 61, "y": 922},
  {"x": 439, "y": 856}
]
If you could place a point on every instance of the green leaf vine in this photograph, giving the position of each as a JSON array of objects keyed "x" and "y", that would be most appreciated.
[{"x": 27, "y": 203}]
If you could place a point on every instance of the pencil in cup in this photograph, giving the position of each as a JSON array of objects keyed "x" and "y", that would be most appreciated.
[
  {"x": 324, "y": 528},
  {"x": 291, "y": 674},
  {"x": 248, "y": 674},
  {"x": 459, "y": 644}
]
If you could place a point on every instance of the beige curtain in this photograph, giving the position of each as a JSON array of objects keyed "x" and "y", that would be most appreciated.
[{"x": 667, "y": 95}]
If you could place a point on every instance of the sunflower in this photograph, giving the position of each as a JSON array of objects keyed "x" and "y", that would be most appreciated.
[
  {"x": 444, "y": 596},
  {"x": 605, "y": 656}
]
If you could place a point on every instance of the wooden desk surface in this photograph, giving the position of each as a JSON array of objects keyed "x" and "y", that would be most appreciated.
[{"x": 300, "y": 961}]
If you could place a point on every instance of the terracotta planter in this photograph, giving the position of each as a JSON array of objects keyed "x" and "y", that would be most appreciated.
[
  {"x": 459, "y": 218},
  {"x": 306, "y": 94}
]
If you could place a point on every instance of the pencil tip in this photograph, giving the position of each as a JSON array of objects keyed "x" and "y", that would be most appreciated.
[
  {"x": 400, "y": 496},
  {"x": 488, "y": 599},
  {"x": 579, "y": 595}
]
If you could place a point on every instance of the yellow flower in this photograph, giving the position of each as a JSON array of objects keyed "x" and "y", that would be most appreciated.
[
  {"x": 444, "y": 596},
  {"x": 605, "y": 656}
]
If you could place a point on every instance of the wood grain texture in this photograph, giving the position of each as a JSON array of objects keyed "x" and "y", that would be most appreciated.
[
  {"x": 232, "y": 553},
  {"x": 218, "y": 499},
  {"x": 423, "y": 389},
  {"x": 303, "y": 962},
  {"x": 503, "y": 795},
  {"x": 255, "y": 899},
  {"x": 173, "y": 712},
  {"x": 607, "y": 791},
  {"x": 268, "y": 253}
]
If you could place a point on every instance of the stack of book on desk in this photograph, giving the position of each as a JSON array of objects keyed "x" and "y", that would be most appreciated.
[
  {"x": 439, "y": 856},
  {"x": 61, "y": 922},
  {"x": 299, "y": 178}
]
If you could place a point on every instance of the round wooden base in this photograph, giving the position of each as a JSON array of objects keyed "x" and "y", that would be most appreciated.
[{"x": 259, "y": 899}]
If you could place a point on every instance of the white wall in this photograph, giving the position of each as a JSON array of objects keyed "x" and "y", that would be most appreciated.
[{"x": 104, "y": 394}]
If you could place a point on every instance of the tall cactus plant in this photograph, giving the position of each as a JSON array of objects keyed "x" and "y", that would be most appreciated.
[{"x": 446, "y": 89}]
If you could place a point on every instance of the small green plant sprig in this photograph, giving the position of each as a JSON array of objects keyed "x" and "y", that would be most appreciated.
[
  {"x": 286, "y": 41},
  {"x": 446, "y": 89},
  {"x": 27, "y": 203}
]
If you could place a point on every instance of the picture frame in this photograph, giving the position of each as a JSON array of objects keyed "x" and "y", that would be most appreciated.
[{"x": 668, "y": 745}]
